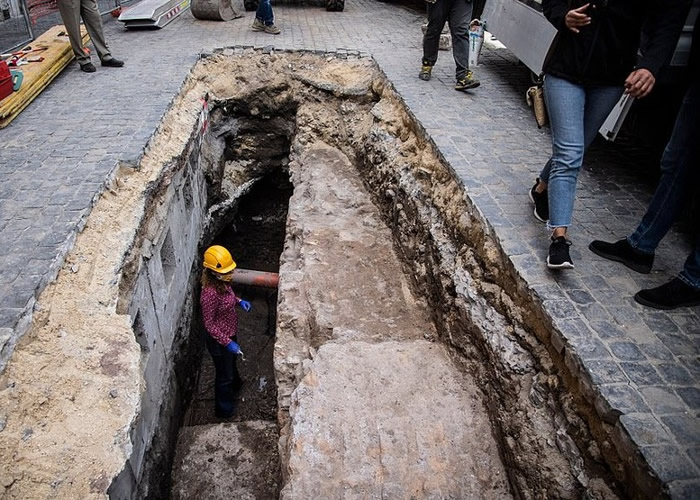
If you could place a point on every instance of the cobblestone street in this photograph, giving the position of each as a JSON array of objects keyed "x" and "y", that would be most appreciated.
[{"x": 641, "y": 364}]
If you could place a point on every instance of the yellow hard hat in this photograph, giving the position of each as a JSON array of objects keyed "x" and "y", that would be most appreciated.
[{"x": 219, "y": 260}]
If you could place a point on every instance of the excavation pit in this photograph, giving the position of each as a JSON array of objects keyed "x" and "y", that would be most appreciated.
[{"x": 408, "y": 358}]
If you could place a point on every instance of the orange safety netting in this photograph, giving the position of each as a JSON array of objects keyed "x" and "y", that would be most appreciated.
[{"x": 38, "y": 8}]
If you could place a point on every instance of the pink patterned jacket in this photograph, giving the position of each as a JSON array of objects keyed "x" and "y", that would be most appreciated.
[{"x": 219, "y": 313}]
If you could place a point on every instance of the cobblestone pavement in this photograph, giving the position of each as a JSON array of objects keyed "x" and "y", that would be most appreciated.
[{"x": 643, "y": 364}]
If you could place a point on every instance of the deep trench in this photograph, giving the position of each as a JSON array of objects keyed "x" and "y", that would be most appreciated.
[
  {"x": 253, "y": 230},
  {"x": 255, "y": 238},
  {"x": 252, "y": 226}
]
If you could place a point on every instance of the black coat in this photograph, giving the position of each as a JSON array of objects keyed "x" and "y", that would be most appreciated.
[{"x": 605, "y": 51}]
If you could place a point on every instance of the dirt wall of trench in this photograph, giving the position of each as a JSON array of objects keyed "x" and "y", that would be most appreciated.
[{"x": 484, "y": 311}]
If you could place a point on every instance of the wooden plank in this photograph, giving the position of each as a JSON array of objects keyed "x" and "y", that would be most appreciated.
[{"x": 38, "y": 75}]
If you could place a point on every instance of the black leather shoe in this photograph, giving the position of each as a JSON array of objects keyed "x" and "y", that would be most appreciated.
[
  {"x": 88, "y": 67},
  {"x": 622, "y": 251},
  {"x": 675, "y": 293},
  {"x": 112, "y": 63}
]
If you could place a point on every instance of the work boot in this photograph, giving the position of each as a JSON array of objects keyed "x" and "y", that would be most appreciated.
[
  {"x": 675, "y": 293},
  {"x": 426, "y": 72},
  {"x": 112, "y": 63},
  {"x": 541, "y": 202},
  {"x": 258, "y": 25},
  {"x": 622, "y": 251},
  {"x": 88, "y": 67},
  {"x": 467, "y": 82},
  {"x": 559, "y": 257},
  {"x": 272, "y": 29}
]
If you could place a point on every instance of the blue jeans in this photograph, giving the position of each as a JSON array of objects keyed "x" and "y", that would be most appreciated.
[
  {"x": 227, "y": 378},
  {"x": 458, "y": 14},
  {"x": 576, "y": 112},
  {"x": 264, "y": 13},
  {"x": 677, "y": 163}
]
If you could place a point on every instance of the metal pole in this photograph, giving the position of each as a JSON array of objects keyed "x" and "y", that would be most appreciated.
[{"x": 25, "y": 10}]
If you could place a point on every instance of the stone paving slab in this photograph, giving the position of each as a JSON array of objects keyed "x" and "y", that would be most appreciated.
[{"x": 642, "y": 365}]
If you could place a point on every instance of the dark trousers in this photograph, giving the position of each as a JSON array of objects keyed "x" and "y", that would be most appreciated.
[
  {"x": 264, "y": 13},
  {"x": 679, "y": 165},
  {"x": 457, "y": 13},
  {"x": 227, "y": 378}
]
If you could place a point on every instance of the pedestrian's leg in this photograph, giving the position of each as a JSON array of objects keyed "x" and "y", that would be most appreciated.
[
  {"x": 598, "y": 100},
  {"x": 226, "y": 377},
  {"x": 538, "y": 194},
  {"x": 70, "y": 14},
  {"x": 677, "y": 163},
  {"x": 437, "y": 16},
  {"x": 264, "y": 13},
  {"x": 544, "y": 174},
  {"x": 682, "y": 291},
  {"x": 566, "y": 103},
  {"x": 93, "y": 23},
  {"x": 691, "y": 270},
  {"x": 459, "y": 17}
]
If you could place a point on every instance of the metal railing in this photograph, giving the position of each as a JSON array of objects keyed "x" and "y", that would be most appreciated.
[
  {"x": 15, "y": 26},
  {"x": 24, "y": 20}
]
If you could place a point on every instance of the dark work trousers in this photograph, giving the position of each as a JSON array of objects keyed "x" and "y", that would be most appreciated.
[
  {"x": 457, "y": 13},
  {"x": 71, "y": 13},
  {"x": 227, "y": 378}
]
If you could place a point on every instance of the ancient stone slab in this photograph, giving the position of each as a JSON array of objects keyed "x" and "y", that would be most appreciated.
[{"x": 390, "y": 420}]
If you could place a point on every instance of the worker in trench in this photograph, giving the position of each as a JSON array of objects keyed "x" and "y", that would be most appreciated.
[{"x": 218, "y": 302}]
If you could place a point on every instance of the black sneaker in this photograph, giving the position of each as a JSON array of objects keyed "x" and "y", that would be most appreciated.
[
  {"x": 541, "y": 202},
  {"x": 622, "y": 251},
  {"x": 675, "y": 293},
  {"x": 467, "y": 82},
  {"x": 88, "y": 67},
  {"x": 559, "y": 257}
]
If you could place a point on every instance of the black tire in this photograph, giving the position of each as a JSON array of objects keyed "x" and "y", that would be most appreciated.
[
  {"x": 335, "y": 5},
  {"x": 250, "y": 5}
]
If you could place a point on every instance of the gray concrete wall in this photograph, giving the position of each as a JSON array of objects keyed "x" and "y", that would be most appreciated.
[{"x": 160, "y": 305}]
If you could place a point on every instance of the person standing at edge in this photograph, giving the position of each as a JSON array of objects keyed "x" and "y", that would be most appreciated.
[
  {"x": 265, "y": 19},
  {"x": 71, "y": 11},
  {"x": 457, "y": 13},
  {"x": 218, "y": 302},
  {"x": 592, "y": 61},
  {"x": 680, "y": 176}
]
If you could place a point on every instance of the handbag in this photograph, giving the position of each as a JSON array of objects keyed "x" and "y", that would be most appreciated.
[{"x": 535, "y": 99}]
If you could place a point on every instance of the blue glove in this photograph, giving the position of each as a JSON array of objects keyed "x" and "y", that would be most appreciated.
[
  {"x": 234, "y": 348},
  {"x": 245, "y": 305}
]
